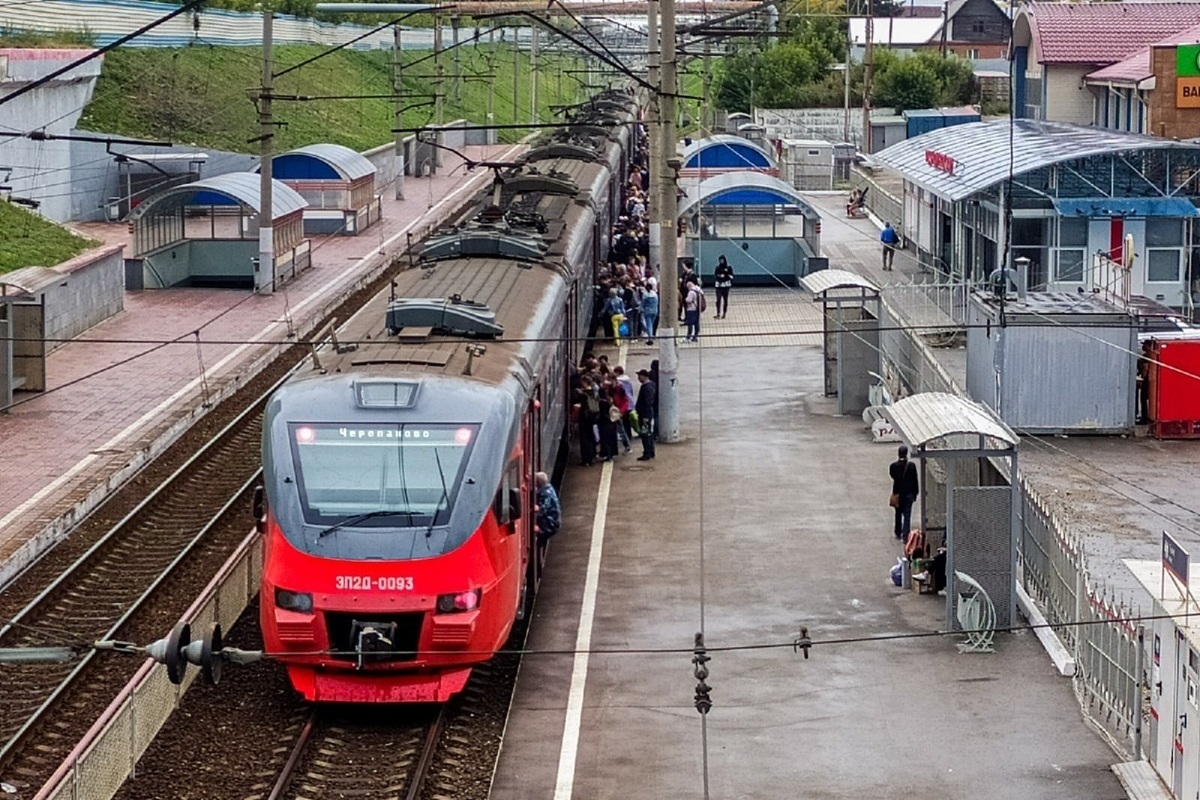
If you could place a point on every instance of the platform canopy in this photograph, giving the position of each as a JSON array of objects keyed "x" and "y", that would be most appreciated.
[
  {"x": 956, "y": 162},
  {"x": 741, "y": 189},
  {"x": 827, "y": 280},
  {"x": 233, "y": 188},
  {"x": 321, "y": 162},
  {"x": 932, "y": 418},
  {"x": 725, "y": 151}
]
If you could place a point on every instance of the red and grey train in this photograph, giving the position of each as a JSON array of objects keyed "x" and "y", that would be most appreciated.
[{"x": 399, "y": 543}]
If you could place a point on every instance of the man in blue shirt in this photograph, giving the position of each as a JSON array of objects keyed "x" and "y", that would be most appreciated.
[{"x": 890, "y": 239}]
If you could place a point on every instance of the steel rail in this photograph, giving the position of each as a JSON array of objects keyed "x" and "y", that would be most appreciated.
[
  {"x": 289, "y": 769},
  {"x": 426, "y": 760},
  {"x": 18, "y": 738}
]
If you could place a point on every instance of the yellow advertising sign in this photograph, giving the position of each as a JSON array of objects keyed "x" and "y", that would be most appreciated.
[{"x": 1187, "y": 92}]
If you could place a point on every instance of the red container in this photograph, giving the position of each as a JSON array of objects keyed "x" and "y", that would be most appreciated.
[{"x": 1174, "y": 388}]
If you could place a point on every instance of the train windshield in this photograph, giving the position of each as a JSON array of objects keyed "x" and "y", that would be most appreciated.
[{"x": 390, "y": 475}]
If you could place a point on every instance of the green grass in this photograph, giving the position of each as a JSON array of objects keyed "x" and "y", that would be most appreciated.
[
  {"x": 198, "y": 95},
  {"x": 15, "y": 37},
  {"x": 30, "y": 241}
]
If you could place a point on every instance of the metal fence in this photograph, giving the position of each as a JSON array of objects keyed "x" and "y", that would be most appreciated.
[
  {"x": 1100, "y": 630},
  {"x": 882, "y": 197}
]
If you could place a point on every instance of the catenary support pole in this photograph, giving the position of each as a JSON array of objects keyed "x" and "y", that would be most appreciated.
[
  {"x": 668, "y": 360},
  {"x": 398, "y": 91},
  {"x": 454, "y": 20},
  {"x": 846, "y": 121},
  {"x": 654, "y": 147},
  {"x": 491, "y": 99},
  {"x": 533, "y": 71},
  {"x": 868, "y": 76},
  {"x": 264, "y": 276},
  {"x": 439, "y": 97}
]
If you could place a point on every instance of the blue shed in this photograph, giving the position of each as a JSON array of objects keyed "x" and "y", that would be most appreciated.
[
  {"x": 337, "y": 182},
  {"x": 923, "y": 120}
]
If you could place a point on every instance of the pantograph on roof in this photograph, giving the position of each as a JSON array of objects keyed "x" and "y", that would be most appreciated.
[
  {"x": 980, "y": 152},
  {"x": 232, "y": 188},
  {"x": 741, "y": 189}
]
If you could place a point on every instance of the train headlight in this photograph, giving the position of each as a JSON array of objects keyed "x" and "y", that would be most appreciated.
[
  {"x": 294, "y": 601},
  {"x": 458, "y": 601}
]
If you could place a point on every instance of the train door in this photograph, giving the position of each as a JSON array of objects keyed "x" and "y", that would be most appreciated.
[{"x": 531, "y": 454}]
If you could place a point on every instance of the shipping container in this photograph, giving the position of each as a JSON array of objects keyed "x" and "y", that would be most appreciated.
[
  {"x": 1172, "y": 385},
  {"x": 1061, "y": 363},
  {"x": 958, "y": 115},
  {"x": 923, "y": 120}
]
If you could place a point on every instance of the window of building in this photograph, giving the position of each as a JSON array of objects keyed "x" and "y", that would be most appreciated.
[
  {"x": 1068, "y": 265},
  {"x": 978, "y": 26},
  {"x": 1164, "y": 233},
  {"x": 972, "y": 53},
  {"x": 1072, "y": 232},
  {"x": 1033, "y": 96},
  {"x": 1162, "y": 266}
]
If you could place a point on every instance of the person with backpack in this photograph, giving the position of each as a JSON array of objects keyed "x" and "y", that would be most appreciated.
[{"x": 694, "y": 305}]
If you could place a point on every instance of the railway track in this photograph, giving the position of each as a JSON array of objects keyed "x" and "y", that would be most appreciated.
[
  {"x": 369, "y": 754},
  {"x": 105, "y": 590}
]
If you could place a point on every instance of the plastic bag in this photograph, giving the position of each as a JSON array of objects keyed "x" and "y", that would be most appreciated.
[
  {"x": 897, "y": 573},
  {"x": 624, "y": 329}
]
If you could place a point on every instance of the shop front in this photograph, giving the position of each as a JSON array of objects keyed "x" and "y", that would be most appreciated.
[{"x": 1092, "y": 210}]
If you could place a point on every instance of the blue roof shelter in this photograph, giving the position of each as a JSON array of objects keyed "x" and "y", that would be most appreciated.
[
  {"x": 765, "y": 229},
  {"x": 337, "y": 182},
  {"x": 714, "y": 155}
]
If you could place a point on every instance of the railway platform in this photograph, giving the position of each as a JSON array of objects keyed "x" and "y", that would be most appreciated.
[
  {"x": 118, "y": 395},
  {"x": 770, "y": 516}
]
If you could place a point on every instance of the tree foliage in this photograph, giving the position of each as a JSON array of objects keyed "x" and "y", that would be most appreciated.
[{"x": 923, "y": 80}]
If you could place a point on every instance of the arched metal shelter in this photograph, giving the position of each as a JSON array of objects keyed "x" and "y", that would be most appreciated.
[
  {"x": 724, "y": 152},
  {"x": 981, "y": 508},
  {"x": 337, "y": 182},
  {"x": 764, "y": 227},
  {"x": 205, "y": 233},
  {"x": 850, "y": 334}
]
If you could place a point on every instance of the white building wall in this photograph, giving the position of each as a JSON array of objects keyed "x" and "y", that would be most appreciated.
[
  {"x": 41, "y": 170},
  {"x": 1067, "y": 96}
]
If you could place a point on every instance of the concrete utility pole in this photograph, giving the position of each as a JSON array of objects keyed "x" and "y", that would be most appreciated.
[
  {"x": 491, "y": 101},
  {"x": 457, "y": 69},
  {"x": 707, "y": 109},
  {"x": 654, "y": 142},
  {"x": 533, "y": 69},
  {"x": 516, "y": 73},
  {"x": 868, "y": 74},
  {"x": 846, "y": 123},
  {"x": 264, "y": 276},
  {"x": 668, "y": 359},
  {"x": 439, "y": 97},
  {"x": 398, "y": 91}
]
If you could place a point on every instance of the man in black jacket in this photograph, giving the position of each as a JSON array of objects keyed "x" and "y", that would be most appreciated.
[
  {"x": 723, "y": 280},
  {"x": 905, "y": 487},
  {"x": 646, "y": 400}
]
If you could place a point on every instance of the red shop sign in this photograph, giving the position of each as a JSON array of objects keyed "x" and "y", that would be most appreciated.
[{"x": 939, "y": 161}]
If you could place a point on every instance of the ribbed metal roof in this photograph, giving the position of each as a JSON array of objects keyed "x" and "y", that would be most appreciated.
[
  {"x": 981, "y": 152},
  {"x": 240, "y": 186},
  {"x": 745, "y": 188},
  {"x": 352, "y": 164},
  {"x": 750, "y": 153},
  {"x": 929, "y": 416},
  {"x": 827, "y": 279}
]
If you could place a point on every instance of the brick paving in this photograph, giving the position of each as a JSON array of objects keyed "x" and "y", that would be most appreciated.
[{"x": 117, "y": 396}]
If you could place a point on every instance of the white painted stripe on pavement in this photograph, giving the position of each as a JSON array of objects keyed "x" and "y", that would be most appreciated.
[
  {"x": 256, "y": 340},
  {"x": 564, "y": 784}
]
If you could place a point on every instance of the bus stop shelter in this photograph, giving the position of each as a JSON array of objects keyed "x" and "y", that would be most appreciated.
[
  {"x": 205, "y": 233},
  {"x": 850, "y": 334},
  {"x": 23, "y": 330},
  {"x": 962, "y": 442}
]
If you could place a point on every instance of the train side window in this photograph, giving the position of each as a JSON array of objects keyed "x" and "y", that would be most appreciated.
[{"x": 503, "y": 502}]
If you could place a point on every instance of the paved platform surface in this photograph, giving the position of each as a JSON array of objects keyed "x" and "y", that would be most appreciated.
[
  {"x": 118, "y": 395},
  {"x": 788, "y": 500}
]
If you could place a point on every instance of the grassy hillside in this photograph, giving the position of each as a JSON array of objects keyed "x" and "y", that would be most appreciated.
[
  {"x": 30, "y": 241},
  {"x": 198, "y": 95}
]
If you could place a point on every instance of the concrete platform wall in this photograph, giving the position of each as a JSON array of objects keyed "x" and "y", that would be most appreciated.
[{"x": 93, "y": 291}]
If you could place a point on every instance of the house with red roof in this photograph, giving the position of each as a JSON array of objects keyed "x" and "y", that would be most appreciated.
[
  {"x": 1057, "y": 46},
  {"x": 1155, "y": 90}
]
